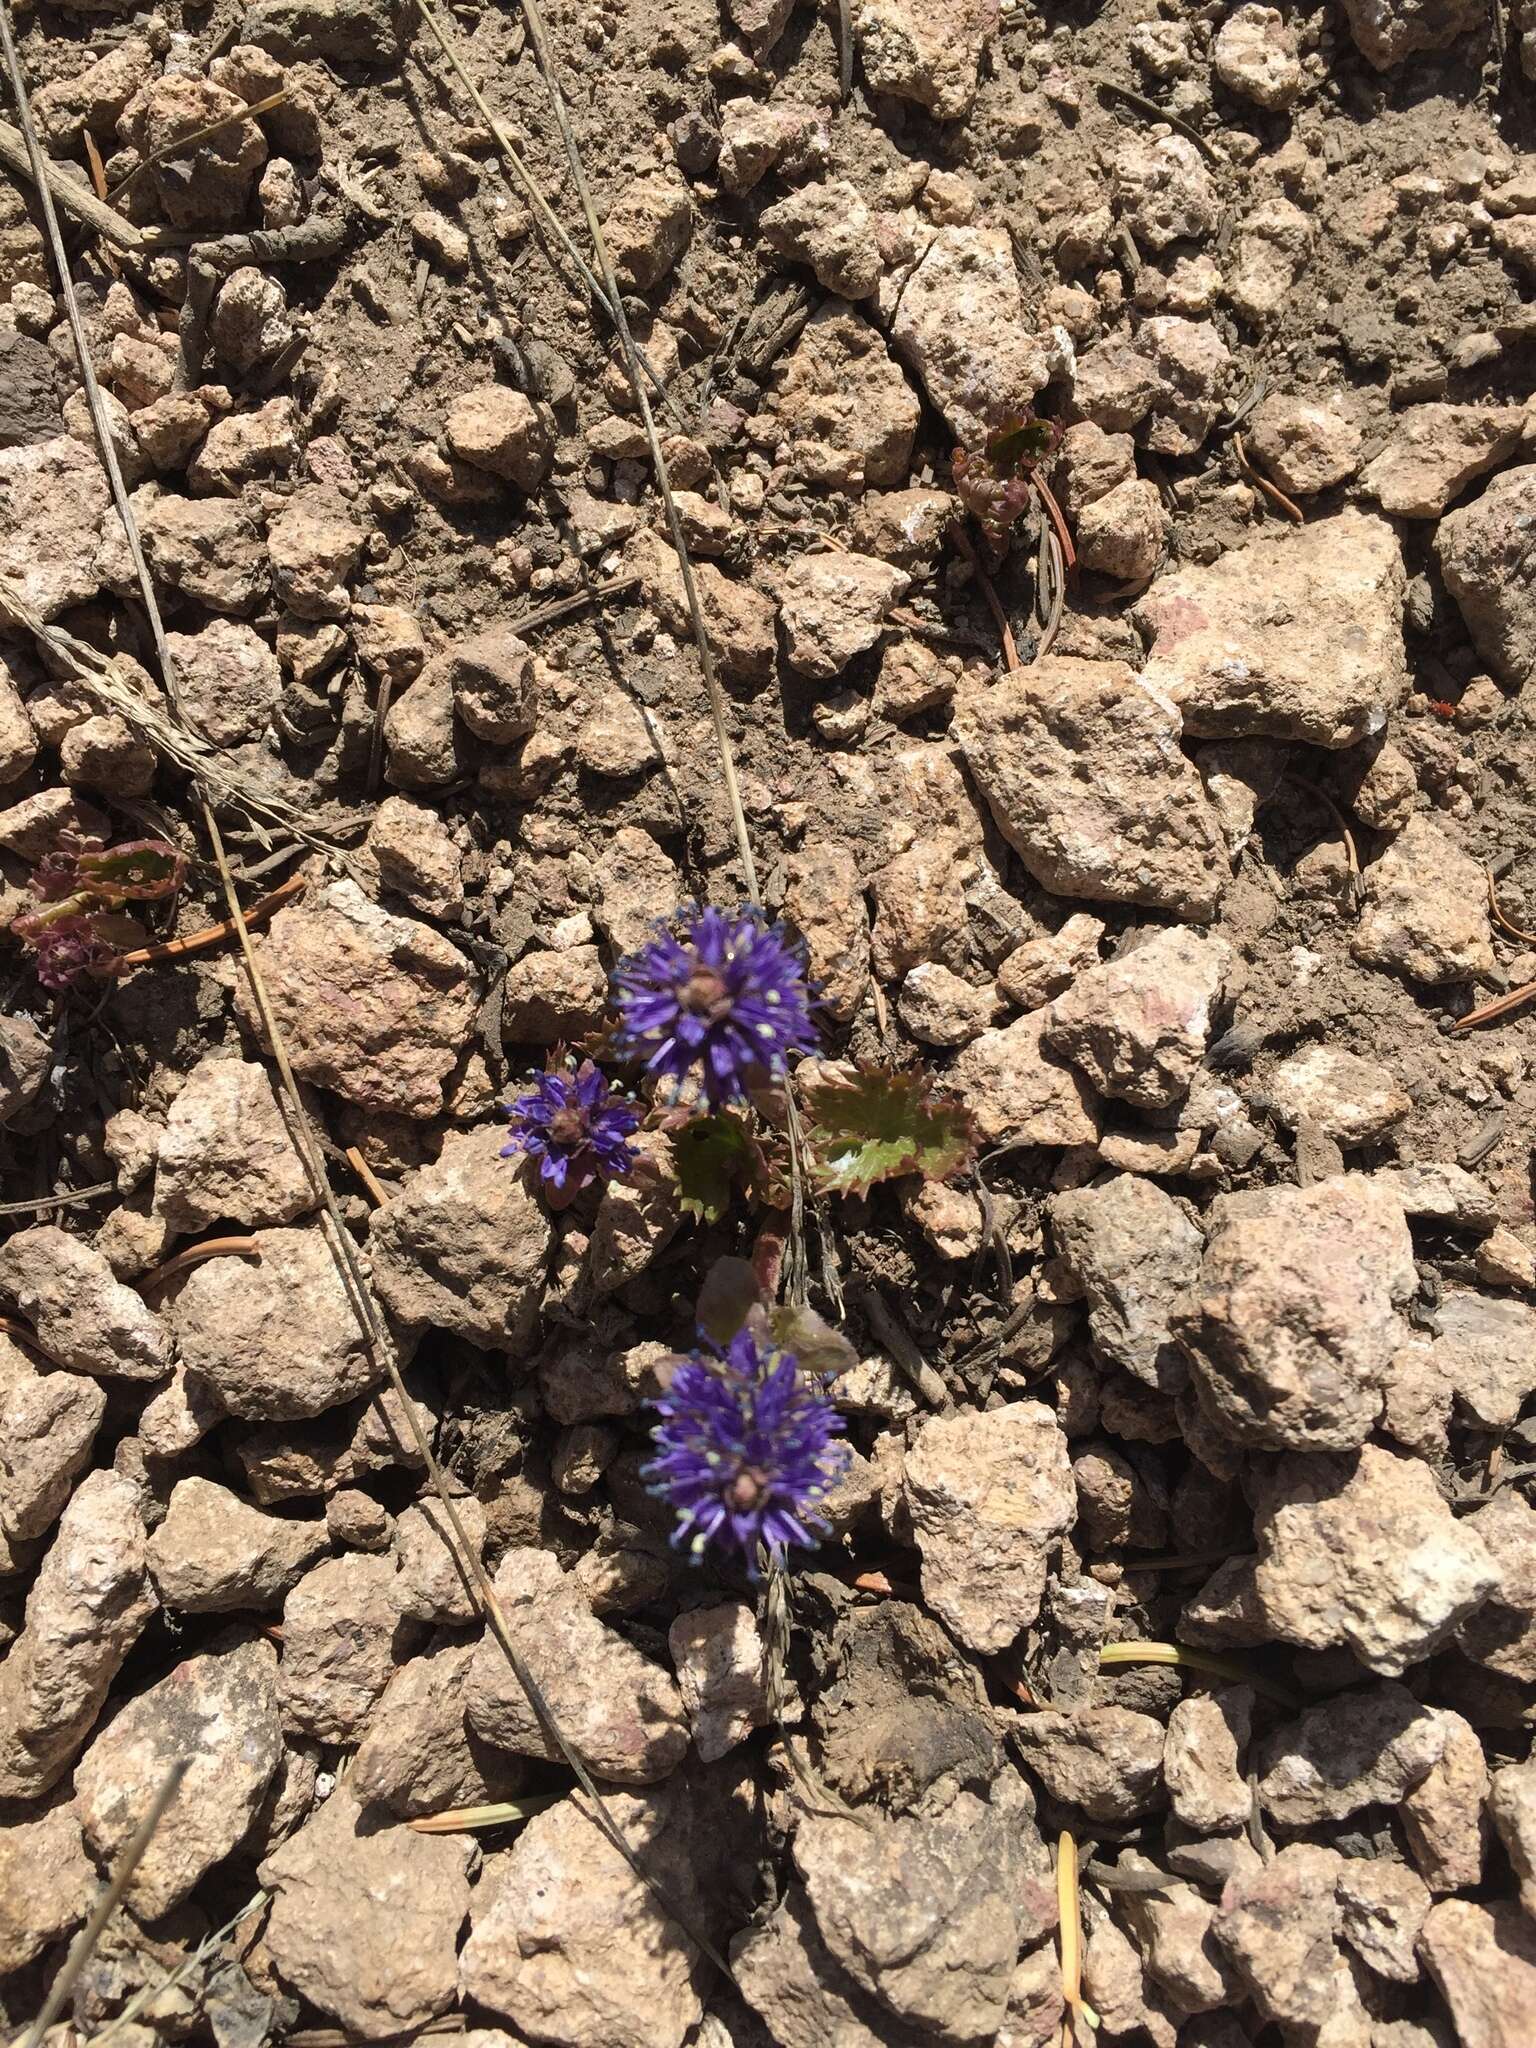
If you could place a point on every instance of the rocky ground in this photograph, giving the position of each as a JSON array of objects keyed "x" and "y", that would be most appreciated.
[{"x": 1227, "y": 1342}]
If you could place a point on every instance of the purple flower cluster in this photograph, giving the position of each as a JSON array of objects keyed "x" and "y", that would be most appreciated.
[
  {"x": 745, "y": 1449},
  {"x": 575, "y": 1127},
  {"x": 724, "y": 992}
]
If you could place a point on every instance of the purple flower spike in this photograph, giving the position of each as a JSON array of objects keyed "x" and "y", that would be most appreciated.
[
  {"x": 576, "y": 1127},
  {"x": 724, "y": 992},
  {"x": 745, "y": 1449}
]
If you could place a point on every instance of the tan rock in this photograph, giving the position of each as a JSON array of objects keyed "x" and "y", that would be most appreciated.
[
  {"x": 1364, "y": 1748},
  {"x": 927, "y": 53},
  {"x": 225, "y": 1154},
  {"x": 314, "y": 545},
  {"x": 824, "y": 904},
  {"x": 217, "y": 1714},
  {"x": 1352, "y": 1100},
  {"x": 1481, "y": 550},
  {"x": 1138, "y": 1025},
  {"x": 1426, "y": 912},
  {"x": 718, "y": 1655},
  {"x": 1135, "y": 1253},
  {"x": 1018, "y": 1093},
  {"x": 87, "y": 1608},
  {"x": 1483, "y": 1958},
  {"x": 376, "y": 1007},
  {"x": 344, "y": 1632},
  {"x": 229, "y": 680},
  {"x": 502, "y": 432},
  {"x": 988, "y": 1493},
  {"x": 828, "y": 227},
  {"x": 1203, "y": 1754},
  {"x": 1079, "y": 763},
  {"x": 1502, "y": 1633},
  {"x": 213, "y": 1553},
  {"x": 962, "y": 326},
  {"x": 1108, "y": 1761},
  {"x": 48, "y": 1422},
  {"x": 418, "y": 1756},
  {"x": 47, "y": 1883},
  {"x": 365, "y": 1920},
  {"x": 1443, "y": 1814},
  {"x": 833, "y": 607},
  {"x": 1305, "y": 444},
  {"x": 1435, "y": 451},
  {"x": 844, "y": 406},
  {"x": 86, "y": 1320}
]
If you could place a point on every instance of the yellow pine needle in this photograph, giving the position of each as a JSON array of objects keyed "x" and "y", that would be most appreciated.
[
  {"x": 1070, "y": 1919},
  {"x": 460, "y": 1820},
  {"x": 1203, "y": 1661}
]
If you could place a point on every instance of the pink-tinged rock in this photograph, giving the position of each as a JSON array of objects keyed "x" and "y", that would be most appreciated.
[
  {"x": 1079, "y": 762},
  {"x": 365, "y": 1919},
  {"x": 217, "y": 1713},
  {"x": 622, "y": 1713},
  {"x": 1363, "y": 1551},
  {"x": 1138, "y": 1025},
  {"x": 53, "y": 497},
  {"x": 718, "y": 1655},
  {"x": 213, "y": 1553},
  {"x": 1364, "y": 1748},
  {"x": 1484, "y": 1960},
  {"x": 225, "y": 1154},
  {"x": 463, "y": 1243},
  {"x": 1018, "y": 1093},
  {"x": 1203, "y": 1754},
  {"x": 926, "y": 51},
  {"x": 1296, "y": 636},
  {"x": 48, "y": 1422},
  {"x": 1293, "y": 1323},
  {"x": 1426, "y": 913},
  {"x": 1106, "y": 1760},
  {"x": 47, "y": 1883},
  {"x": 1443, "y": 1814},
  {"x": 87, "y": 1608},
  {"x": 1279, "y": 1926},
  {"x": 275, "y": 1338},
  {"x": 988, "y": 1493},
  {"x": 88, "y": 1320},
  {"x": 377, "y": 1008},
  {"x": 961, "y": 325},
  {"x": 1482, "y": 551},
  {"x": 1502, "y": 1633},
  {"x": 344, "y": 1632}
]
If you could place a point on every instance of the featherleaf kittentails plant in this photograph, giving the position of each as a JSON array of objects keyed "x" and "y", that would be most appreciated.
[
  {"x": 995, "y": 484},
  {"x": 84, "y": 885},
  {"x": 717, "y": 993},
  {"x": 575, "y": 1126},
  {"x": 881, "y": 1123},
  {"x": 747, "y": 1439}
]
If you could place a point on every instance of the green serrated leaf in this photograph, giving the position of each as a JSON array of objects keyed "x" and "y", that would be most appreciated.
[
  {"x": 881, "y": 1125},
  {"x": 140, "y": 869},
  {"x": 711, "y": 1153}
]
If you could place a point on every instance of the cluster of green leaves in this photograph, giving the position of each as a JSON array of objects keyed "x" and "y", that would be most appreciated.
[
  {"x": 81, "y": 888},
  {"x": 869, "y": 1125},
  {"x": 996, "y": 482}
]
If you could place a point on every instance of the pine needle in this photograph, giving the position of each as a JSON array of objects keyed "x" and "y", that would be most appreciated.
[
  {"x": 1206, "y": 1662},
  {"x": 460, "y": 1820}
]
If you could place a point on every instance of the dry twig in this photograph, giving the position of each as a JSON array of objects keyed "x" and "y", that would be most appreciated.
[{"x": 1272, "y": 491}]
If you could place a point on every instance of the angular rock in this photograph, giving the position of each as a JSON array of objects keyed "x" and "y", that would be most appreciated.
[
  {"x": 1435, "y": 451},
  {"x": 365, "y": 1920},
  {"x": 961, "y": 325},
  {"x": 552, "y": 997},
  {"x": 1512, "y": 1809},
  {"x": 217, "y": 1713},
  {"x": 718, "y": 1655},
  {"x": 1364, "y": 1551},
  {"x": 1502, "y": 1633},
  {"x": 1383, "y": 1908},
  {"x": 1271, "y": 250},
  {"x": 926, "y": 51},
  {"x": 48, "y": 1422},
  {"x": 1017, "y": 1093},
  {"x": 1164, "y": 191},
  {"x": 1386, "y": 34},
  {"x": 1293, "y": 1322},
  {"x": 207, "y": 181},
  {"x": 755, "y": 139},
  {"x": 377, "y": 1008},
  {"x": 1278, "y": 1926},
  {"x": 648, "y": 228},
  {"x": 1138, "y": 1025},
  {"x": 1352, "y": 1100},
  {"x": 797, "y": 1987},
  {"x": 1255, "y": 56},
  {"x": 1306, "y": 445},
  {"x": 572, "y": 1948},
  {"x": 229, "y": 680},
  {"x": 844, "y": 406},
  {"x": 214, "y": 1554},
  {"x": 205, "y": 548},
  {"x": 85, "y": 1318},
  {"x": 827, "y": 226},
  {"x": 418, "y": 857},
  {"x": 1041, "y": 968},
  {"x": 503, "y": 432},
  {"x": 275, "y": 1338},
  {"x": 623, "y": 1714},
  {"x": 1483, "y": 1958},
  {"x": 1296, "y": 637},
  {"x": 739, "y": 619},
  {"x": 1135, "y": 1253},
  {"x": 225, "y": 1154},
  {"x": 1482, "y": 554},
  {"x": 87, "y": 1608},
  {"x": 1426, "y": 910},
  {"x": 1443, "y": 1814},
  {"x": 1079, "y": 763},
  {"x": 418, "y": 1755},
  {"x": 1365, "y": 1748},
  {"x": 1173, "y": 1930},
  {"x": 833, "y": 607},
  {"x": 1108, "y": 1761},
  {"x": 1203, "y": 1754},
  {"x": 463, "y": 1244},
  {"x": 343, "y": 1634},
  {"x": 987, "y": 1494},
  {"x": 824, "y": 904},
  {"x": 924, "y": 1910},
  {"x": 314, "y": 546},
  {"x": 47, "y": 1883},
  {"x": 434, "y": 1584},
  {"x": 53, "y": 497}
]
